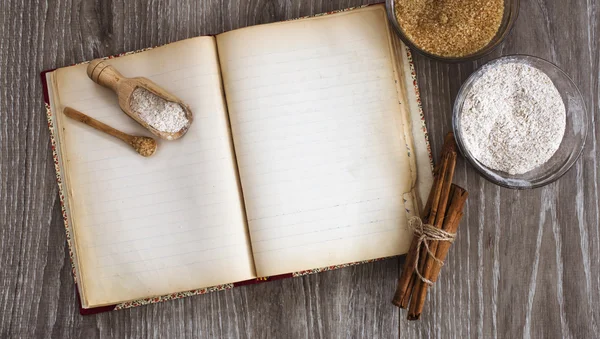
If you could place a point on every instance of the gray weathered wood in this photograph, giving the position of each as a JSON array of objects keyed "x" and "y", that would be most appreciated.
[{"x": 526, "y": 264}]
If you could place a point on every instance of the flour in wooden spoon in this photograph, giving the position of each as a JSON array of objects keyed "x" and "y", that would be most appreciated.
[{"x": 513, "y": 118}]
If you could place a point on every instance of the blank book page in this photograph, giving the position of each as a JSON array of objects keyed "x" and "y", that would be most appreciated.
[
  {"x": 319, "y": 138},
  {"x": 159, "y": 225}
]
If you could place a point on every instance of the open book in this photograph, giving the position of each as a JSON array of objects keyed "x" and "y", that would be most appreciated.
[{"x": 307, "y": 150}]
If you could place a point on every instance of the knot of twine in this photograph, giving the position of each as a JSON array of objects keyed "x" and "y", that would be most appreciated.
[{"x": 426, "y": 233}]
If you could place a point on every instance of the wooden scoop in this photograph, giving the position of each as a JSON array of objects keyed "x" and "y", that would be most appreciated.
[
  {"x": 145, "y": 146},
  {"x": 106, "y": 75}
]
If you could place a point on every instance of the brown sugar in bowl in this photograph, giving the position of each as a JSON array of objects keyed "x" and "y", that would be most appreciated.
[{"x": 455, "y": 30}]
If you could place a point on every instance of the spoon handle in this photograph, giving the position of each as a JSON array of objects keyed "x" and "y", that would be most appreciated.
[{"x": 76, "y": 115}]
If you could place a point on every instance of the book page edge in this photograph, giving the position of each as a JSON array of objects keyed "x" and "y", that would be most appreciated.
[{"x": 61, "y": 168}]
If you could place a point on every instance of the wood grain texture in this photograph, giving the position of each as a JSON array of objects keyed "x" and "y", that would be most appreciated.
[{"x": 525, "y": 264}]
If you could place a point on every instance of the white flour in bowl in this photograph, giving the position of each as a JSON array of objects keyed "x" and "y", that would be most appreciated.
[{"x": 513, "y": 118}]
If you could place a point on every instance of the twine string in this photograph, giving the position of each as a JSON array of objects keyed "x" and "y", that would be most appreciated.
[{"x": 425, "y": 234}]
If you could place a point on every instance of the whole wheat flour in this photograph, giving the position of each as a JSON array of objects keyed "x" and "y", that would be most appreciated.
[{"x": 513, "y": 118}]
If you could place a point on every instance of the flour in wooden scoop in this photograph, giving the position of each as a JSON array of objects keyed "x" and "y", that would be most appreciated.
[
  {"x": 163, "y": 115},
  {"x": 513, "y": 118}
]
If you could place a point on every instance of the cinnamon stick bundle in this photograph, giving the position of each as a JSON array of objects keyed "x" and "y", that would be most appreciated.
[
  {"x": 442, "y": 211},
  {"x": 431, "y": 268}
]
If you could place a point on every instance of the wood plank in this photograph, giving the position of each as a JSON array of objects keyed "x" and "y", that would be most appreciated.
[{"x": 526, "y": 263}]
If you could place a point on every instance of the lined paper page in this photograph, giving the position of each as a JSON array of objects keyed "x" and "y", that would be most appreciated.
[
  {"x": 158, "y": 225},
  {"x": 319, "y": 138}
]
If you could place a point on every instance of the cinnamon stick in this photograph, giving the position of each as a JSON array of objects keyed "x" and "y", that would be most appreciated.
[
  {"x": 431, "y": 268},
  {"x": 425, "y": 258},
  {"x": 459, "y": 199},
  {"x": 426, "y": 261},
  {"x": 407, "y": 278},
  {"x": 405, "y": 283}
]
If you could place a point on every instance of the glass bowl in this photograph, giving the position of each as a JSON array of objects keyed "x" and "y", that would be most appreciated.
[
  {"x": 572, "y": 143},
  {"x": 511, "y": 11}
]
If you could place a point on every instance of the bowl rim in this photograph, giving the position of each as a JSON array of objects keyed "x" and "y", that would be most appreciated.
[
  {"x": 389, "y": 6},
  {"x": 476, "y": 164}
]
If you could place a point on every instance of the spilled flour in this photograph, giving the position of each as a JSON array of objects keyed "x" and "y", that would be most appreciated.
[
  {"x": 165, "y": 116},
  {"x": 513, "y": 118}
]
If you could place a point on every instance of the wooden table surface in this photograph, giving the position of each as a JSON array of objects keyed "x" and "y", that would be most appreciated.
[{"x": 526, "y": 263}]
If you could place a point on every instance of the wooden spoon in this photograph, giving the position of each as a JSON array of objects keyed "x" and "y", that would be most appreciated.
[
  {"x": 145, "y": 146},
  {"x": 106, "y": 75}
]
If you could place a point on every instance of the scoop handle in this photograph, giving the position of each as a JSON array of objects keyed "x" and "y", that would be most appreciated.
[{"x": 104, "y": 74}]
